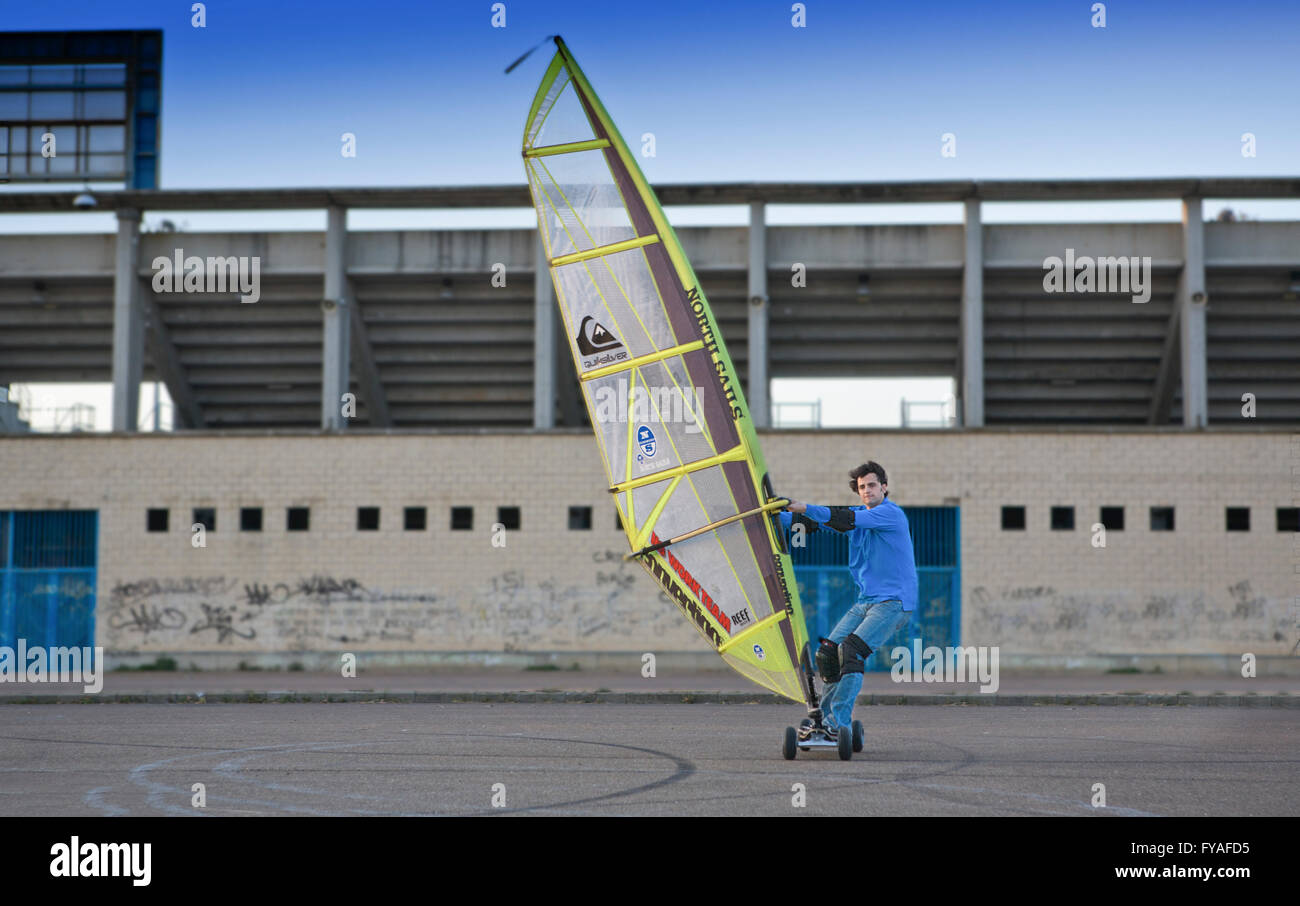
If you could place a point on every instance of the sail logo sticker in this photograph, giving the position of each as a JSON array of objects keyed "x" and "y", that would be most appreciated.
[
  {"x": 705, "y": 598},
  {"x": 645, "y": 440},
  {"x": 595, "y": 338},
  {"x": 760, "y": 653},
  {"x": 696, "y": 301},
  {"x": 741, "y": 617}
]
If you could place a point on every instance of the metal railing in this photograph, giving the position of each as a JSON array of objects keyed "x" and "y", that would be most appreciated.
[
  {"x": 941, "y": 413},
  {"x": 784, "y": 415}
]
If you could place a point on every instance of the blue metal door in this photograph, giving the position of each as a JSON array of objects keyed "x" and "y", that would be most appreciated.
[
  {"x": 47, "y": 578},
  {"x": 827, "y": 590}
]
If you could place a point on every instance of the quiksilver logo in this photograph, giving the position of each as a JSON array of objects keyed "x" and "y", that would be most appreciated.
[{"x": 593, "y": 337}]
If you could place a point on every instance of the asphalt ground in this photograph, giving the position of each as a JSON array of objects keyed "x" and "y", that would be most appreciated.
[
  {"x": 647, "y": 759},
  {"x": 667, "y": 687}
]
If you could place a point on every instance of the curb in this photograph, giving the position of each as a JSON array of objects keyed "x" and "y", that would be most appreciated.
[{"x": 645, "y": 698}]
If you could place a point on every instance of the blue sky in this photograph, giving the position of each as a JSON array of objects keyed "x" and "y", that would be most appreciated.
[{"x": 731, "y": 91}]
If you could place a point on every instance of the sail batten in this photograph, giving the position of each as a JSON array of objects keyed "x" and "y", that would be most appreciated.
[
  {"x": 602, "y": 251},
  {"x": 567, "y": 147},
  {"x": 679, "y": 448}
]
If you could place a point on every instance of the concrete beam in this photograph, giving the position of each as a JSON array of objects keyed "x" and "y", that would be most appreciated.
[
  {"x": 128, "y": 326},
  {"x": 393, "y": 255},
  {"x": 517, "y": 196},
  {"x": 372, "y": 388},
  {"x": 972, "y": 319},
  {"x": 166, "y": 361},
  {"x": 336, "y": 311},
  {"x": 545, "y": 365},
  {"x": 759, "y": 407},
  {"x": 1191, "y": 301}
]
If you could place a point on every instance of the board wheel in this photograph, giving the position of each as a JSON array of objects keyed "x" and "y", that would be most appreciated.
[
  {"x": 858, "y": 735},
  {"x": 790, "y": 747},
  {"x": 845, "y": 743}
]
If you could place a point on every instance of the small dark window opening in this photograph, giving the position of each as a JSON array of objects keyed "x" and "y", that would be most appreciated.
[
  {"x": 206, "y": 516},
  {"x": 1112, "y": 518},
  {"x": 1162, "y": 519},
  {"x": 1238, "y": 518},
  {"x": 1288, "y": 519},
  {"x": 250, "y": 519},
  {"x": 367, "y": 519},
  {"x": 297, "y": 518},
  {"x": 508, "y": 516},
  {"x": 579, "y": 518},
  {"x": 1062, "y": 518},
  {"x": 462, "y": 518},
  {"x": 1013, "y": 518},
  {"x": 156, "y": 520},
  {"x": 414, "y": 518}
]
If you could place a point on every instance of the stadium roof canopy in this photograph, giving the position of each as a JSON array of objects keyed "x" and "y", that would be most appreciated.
[{"x": 456, "y": 328}]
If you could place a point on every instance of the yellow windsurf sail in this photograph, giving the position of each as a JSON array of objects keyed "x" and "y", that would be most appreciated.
[{"x": 679, "y": 448}]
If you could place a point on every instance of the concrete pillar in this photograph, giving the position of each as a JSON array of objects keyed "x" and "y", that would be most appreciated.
[
  {"x": 544, "y": 339},
  {"x": 128, "y": 325},
  {"x": 972, "y": 320},
  {"x": 337, "y": 347},
  {"x": 759, "y": 407},
  {"x": 1192, "y": 301}
]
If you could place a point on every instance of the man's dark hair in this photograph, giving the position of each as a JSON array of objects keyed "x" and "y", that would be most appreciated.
[{"x": 868, "y": 466}]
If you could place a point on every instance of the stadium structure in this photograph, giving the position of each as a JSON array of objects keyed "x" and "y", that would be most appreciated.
[{"x": 386, "y": 453}]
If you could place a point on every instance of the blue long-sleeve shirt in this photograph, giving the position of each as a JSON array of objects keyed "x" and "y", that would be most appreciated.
[{"x": 881, "y": 559}]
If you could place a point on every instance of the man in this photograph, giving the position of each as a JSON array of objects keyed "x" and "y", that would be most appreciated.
[{"x": 884, "y": 566}]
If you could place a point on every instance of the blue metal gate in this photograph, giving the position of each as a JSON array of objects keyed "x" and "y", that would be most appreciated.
[
  {"x": 827, "y": 590},
  {"x": 47, "y": 577}
]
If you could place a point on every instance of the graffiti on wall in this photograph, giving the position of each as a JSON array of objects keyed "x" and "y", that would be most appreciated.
[
  {"x": 1044, "y": 619},
  {"x": 508, "y": 611}
]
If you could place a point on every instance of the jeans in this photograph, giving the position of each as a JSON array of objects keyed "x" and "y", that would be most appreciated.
[{"x": 873, "y": 622}]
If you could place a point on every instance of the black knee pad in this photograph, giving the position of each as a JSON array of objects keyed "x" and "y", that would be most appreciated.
[
  {"x": 828, "y": 661},
  {"x": 853, "y": 655}
]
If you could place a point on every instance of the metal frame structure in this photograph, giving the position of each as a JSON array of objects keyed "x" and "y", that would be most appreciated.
[{"x": 140, "y": 52}]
